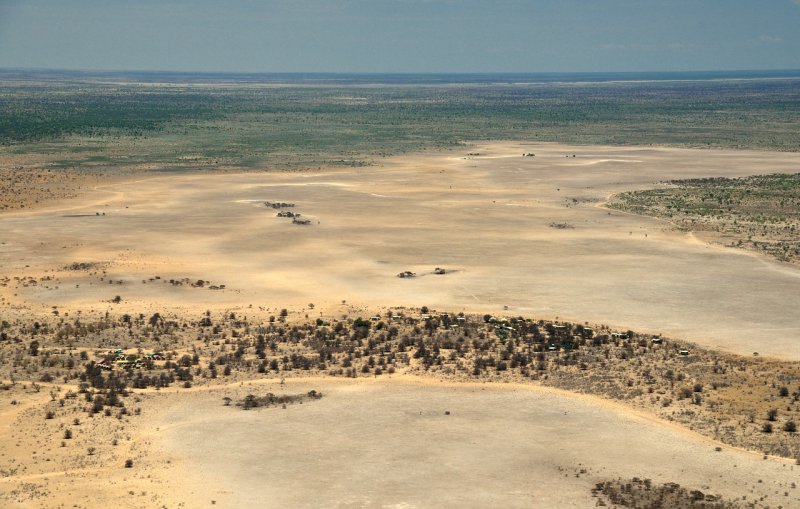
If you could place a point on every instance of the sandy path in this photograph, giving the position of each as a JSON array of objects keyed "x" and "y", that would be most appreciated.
[{"x": 486, "y": 218}]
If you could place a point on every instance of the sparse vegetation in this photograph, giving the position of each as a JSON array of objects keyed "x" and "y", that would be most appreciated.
[
  {"x": 644, "y": 494},
  {"x": 96, "y": 128},
  {"x": 717, "y": 394},
  {"x": 105, "y": 368},
  {"x": 251, "y": 401},
  {"x": 759, "y": 213}
]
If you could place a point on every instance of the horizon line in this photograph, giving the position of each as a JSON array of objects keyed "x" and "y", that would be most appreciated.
[
  {"x": 404, "y": 72},
  {"x": 423, "y": 78}
]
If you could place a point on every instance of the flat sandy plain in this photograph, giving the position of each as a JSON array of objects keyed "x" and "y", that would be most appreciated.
[
  {"x": 488, "y": 219},
  {"x": 388, "y": 443}
]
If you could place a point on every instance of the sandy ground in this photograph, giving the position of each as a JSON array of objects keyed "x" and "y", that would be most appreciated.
[
  {"x": 487, "y": 219},
  {"x": 390, "y": 443},
  {"x": 378, "y": 443}
]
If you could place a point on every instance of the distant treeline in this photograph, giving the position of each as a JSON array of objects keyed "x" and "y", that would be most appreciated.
[
  {"x": 379, "y": 78},
  {"x": 357, "y": 120},
  {"x": 48, "y": 112}
]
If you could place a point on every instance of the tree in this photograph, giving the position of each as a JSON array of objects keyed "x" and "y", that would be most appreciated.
[
  {"x": 33, "y": 348},
  {"x": 360, "y": 322},
  {"x": 261, "y": 346},
  {"x": 790, "y": 427},
  {"x": 772, "y": 415},
  {"x": 99, "y": 403},
  {"x": 155, "y": 320}
]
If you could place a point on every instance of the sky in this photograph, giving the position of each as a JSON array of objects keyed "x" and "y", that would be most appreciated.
[{"x": 424, "y": 36}]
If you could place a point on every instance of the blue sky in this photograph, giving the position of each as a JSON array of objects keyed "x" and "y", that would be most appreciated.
[{"x": 400, "y": 35}]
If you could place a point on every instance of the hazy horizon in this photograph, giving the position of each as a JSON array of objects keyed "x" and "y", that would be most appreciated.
[{"x": 777, "y": 72}]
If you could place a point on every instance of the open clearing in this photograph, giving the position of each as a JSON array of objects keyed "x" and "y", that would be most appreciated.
[
  {"x": 523, "y": 232},
  {"x": 389, "y": 443}
]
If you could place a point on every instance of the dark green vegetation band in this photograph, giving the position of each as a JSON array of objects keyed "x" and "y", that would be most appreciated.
[{"x": 323, "y": 123}]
